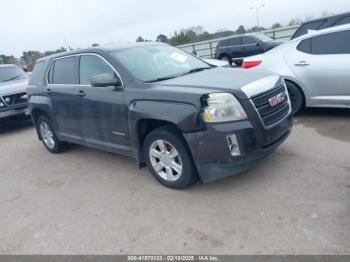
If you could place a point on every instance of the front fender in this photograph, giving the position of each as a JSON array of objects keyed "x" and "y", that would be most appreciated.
[{"x": 183, "y": 115}]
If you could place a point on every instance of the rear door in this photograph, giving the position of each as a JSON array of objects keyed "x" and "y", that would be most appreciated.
[
  {"x": 251, "y": 46},
  {"x": 235, "y": 47},
  {"x": 322, "y": 64},
  {"x": 104, "y": 115},
  {"x": 62, "y": 89}
]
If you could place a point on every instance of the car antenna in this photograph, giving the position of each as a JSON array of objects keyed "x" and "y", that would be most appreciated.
[{"x": 70, "y": 49}]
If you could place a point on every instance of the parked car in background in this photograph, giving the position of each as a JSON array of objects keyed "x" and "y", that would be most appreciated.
[
  {"x": 13, "y": 98},
  {"x": 316, "y": 67},
  {"x": 322, "y": 23},
  {"x": 174, "y": 112},
  {"x": 235, "y": 48}
]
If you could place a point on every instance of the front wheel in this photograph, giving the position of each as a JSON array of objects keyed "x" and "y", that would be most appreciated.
[
  {"x": 296, "y": 97},
  {"x": 168, "y": 158}
]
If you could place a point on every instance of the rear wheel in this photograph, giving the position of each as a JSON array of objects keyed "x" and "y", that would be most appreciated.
[
  {"x": 238, "y": 62},
  {"x": 296, "y": 97},
  {"x": 168, "y": 158},
  {"x": 226, "y": 58},
  {"x": 48, "y": 136}
]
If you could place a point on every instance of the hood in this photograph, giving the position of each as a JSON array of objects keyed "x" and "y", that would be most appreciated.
[
  {"x": 13, "y": 86},
  {"x": 225, "y": 80}
]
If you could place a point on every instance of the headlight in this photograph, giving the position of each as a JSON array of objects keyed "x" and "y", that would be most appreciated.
[{"x": 223, "y": 107}]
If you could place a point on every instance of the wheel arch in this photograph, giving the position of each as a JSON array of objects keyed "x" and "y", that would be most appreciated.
[{"x": 145, "y": 126}]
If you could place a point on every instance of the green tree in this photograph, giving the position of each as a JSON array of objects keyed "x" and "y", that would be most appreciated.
[
  {"x": 4, "y": 59},
  {"x": 179, "y": 39},
  {"x": 241, "y": 30},
  {"x": 140, "y": 39},
  {"x": 162, "y": 38},
  {"x": 276, "y": 25}
]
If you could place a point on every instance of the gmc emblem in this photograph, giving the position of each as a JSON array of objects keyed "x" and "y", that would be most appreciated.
[{"x": 276, "y": 100}]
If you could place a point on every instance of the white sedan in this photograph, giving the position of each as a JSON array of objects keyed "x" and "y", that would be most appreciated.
[{"x": 316, "y": 67}]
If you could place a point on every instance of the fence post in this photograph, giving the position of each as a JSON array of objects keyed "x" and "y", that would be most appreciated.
[{"x": 211, "y": 50}]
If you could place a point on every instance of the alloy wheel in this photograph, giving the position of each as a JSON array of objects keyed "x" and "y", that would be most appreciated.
[
  {"x": 165, "y": 160},
  {"x": 47, "y": 135}
]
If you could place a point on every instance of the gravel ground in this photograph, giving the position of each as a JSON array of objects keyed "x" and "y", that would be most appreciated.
[{"x": 86, "y": 201}]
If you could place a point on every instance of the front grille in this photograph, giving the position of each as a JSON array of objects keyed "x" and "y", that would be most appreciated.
[
  {"x": 15, "y": 99},
  {"x": 272, "y": 114}
]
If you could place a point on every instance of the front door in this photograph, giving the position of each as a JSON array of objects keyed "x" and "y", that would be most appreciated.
[{"x": 104, "y": 115}]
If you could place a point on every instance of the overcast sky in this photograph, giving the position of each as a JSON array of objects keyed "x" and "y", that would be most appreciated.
[{"x": 45, "y": 25}]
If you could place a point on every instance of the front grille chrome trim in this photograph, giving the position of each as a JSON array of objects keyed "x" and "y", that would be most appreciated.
[{"x": 280, "y": 120}]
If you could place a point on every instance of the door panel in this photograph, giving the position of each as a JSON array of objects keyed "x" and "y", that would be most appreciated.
[
  {"x": 250, "y": 47},
  {"x": 103, "y": 111},
  {"x": 61, "y": 89}
]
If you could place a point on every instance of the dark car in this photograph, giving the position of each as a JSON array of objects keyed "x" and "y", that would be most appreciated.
[
  {"x": 322, "y": 23},
  {"x": 234, "y": 49},
  {"x": 13, "y": 97},
  {"x": 162, "y": 106}
]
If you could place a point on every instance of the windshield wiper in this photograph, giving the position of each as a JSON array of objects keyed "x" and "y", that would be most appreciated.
[
  {"x": 162, "y": 79},
  {"x": 196, "y": 70},
  {"x": 174, "y": 76},
  {"x": 13, "y": 78}
]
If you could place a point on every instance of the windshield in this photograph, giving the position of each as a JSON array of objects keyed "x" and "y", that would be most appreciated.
[
  {"x": 158, "y": 62},
  {"x": 9, "y": 73},
  {"x": 263, "y": 38}
]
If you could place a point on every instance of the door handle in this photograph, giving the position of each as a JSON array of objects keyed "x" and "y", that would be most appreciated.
[
  {"x": 81, "y": 93},
  {"x": 302, "y": 63}
]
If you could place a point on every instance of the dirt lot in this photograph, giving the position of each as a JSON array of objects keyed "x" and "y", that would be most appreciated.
[{"x": 87, "y": 201}]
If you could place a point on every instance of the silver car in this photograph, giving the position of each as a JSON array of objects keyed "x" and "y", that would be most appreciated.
[
  {"x": 316, "y": 67},
  {"x": 13, "y": 98}
]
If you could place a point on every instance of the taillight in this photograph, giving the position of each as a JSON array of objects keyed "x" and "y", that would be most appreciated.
[{"x": 250, "y": 64}]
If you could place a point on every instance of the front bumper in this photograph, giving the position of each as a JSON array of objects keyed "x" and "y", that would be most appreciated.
[
  {"x": 212, "y": 155},
  {"x": 13, "y": 111}
]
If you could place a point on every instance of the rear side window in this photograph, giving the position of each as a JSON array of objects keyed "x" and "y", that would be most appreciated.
[
  {"x": 303, "y": 29},
  {"x": 37, "y": 74},
  {"x": 248, "y": 41},
  {"x": 91, "y": 65},
  {"x": 64, "y": 71},
  {"x": 223, "y": 43},
  {"x": 234, "y": 41},
  {"x": 333, "y": 43},
  {"x": 343, "y": 21}
]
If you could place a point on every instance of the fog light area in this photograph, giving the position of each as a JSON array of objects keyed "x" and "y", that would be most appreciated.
[{"x": 233, "y": 145}]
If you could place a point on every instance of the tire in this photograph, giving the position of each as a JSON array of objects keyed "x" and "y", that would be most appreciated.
[
  {"x": 296, "y": 97},
  {"x": 174, "y": 170},
  {"x": 238, "y": 62},
  {"x": 48, "y": 136},
  {"x": 226, "y": 58}
]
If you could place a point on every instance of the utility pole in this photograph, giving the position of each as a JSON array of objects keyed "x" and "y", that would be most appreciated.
[{"x": 257, "y": 14}]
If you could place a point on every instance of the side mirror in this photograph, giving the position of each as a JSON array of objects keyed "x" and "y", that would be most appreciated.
[
  {"x": 258, "y": 44},
  {"x": 103, "y": 80}
]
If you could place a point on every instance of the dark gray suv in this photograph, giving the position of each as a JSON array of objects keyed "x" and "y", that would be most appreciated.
[
  {"x": 234, "y": 49},
  {"x": 168, "y": 109}
]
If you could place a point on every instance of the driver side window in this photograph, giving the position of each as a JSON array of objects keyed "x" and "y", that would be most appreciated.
[{"x": 91, "y": 65}]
